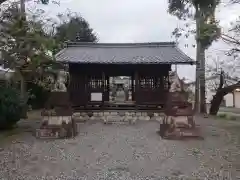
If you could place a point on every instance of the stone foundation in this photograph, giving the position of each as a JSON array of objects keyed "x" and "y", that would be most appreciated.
[
  {"x": 118, "y": 116},
  {"x": 57, "y": 120},
  {"x": 179, "y": 127},
  {"x": 56, "y": 127}
]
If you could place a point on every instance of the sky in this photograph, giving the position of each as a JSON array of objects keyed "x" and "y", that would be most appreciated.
[{"x": 122, "y": 21}]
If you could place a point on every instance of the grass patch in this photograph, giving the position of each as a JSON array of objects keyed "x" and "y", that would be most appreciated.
[
  {"x": 9, "y": 135},
  {"x": 222, "y": 116},
  {"x": 233, "y": 118},
  {"x": 226, "y": 116}
]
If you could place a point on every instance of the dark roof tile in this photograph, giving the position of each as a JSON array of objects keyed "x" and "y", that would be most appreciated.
[{"x": 125, "y": 53}]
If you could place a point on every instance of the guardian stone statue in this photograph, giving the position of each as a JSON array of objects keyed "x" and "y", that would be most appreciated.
[{"x": 60, "y": 86}]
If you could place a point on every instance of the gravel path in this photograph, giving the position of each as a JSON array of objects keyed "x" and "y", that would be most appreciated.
[{"x": 123, "y": 152}]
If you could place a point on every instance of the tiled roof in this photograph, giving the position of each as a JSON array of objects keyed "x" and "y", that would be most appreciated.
[{"x": 125, "y": 53}]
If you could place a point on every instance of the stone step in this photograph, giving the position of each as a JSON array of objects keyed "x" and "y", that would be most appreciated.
[
  {"x": 185, "y": 133},
  {"x": 118, "y": 122},
  {"x": 119, "y": 119}
]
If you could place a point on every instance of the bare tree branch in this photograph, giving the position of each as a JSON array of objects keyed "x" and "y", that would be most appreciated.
[
  {"x": 235, "y": 1},
  {"x": 230, "y": 39}
]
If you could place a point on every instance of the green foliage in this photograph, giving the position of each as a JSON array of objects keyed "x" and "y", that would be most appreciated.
[
  {"x": 24, "y": 44},
  {"x": 38, "y": 95},
  {"x": 27, "y": 48},
  {"x": 72, "y": 28},
  {"x": 28, "y": 45},
  {"x": 44, "y": 1},
  {"x": 204, "y": 11},
  {"x": 10, "y": 107},
  {"x": 180, "y": 8},
  {"x": 209, "y": 33}
]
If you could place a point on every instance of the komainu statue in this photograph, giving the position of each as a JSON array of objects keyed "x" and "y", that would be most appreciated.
[
  {"x": 179, "y": 116},
  {"x": 57, "y": 115},
  {"x": 60, "y": 86}
]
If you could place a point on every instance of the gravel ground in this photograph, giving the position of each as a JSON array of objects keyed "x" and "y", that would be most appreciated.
[{"x": 124, "y": 152}]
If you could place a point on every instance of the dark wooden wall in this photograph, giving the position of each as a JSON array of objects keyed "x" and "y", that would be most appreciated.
[{"x": 150, "y": 81}]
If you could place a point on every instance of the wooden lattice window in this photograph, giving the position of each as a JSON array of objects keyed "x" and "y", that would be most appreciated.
[
  {"x": 153, "y": 82},
  {"x": 95, "y": 82},
  {"x": 159, "y": 83},
  {"x": 166, "y": 83},
  {"x": 106, "y": 84},
  {"x": 146, "y": 82}
]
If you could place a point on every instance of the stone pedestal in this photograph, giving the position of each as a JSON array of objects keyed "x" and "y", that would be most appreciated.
[
  {"x": 57, "y": 122},
  {"x": 56, "y": 125},
  {"x": 179, "y": 118}
]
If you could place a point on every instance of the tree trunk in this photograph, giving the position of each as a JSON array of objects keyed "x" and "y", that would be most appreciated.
[
  {"x": 22, "y": 80},
  {"x": 215, "y": 103},
  {"x": 23, "y": 95},
  {"x": 22, "y": 87},
  {"x": 200, "y": 99},
  {"x": 196, "y": 104},
  {"x": 221, "y": 92},
  {"x": 202, "y": 81}
]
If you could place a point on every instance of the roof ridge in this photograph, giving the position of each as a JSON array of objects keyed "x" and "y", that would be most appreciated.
[{"x": 143, "y": 44}]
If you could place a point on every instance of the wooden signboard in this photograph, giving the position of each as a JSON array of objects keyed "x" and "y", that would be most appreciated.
[{"x": 96, "y": 96}]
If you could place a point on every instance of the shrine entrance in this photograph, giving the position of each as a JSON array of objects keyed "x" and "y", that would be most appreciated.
[{"x": 121, "y": 89}]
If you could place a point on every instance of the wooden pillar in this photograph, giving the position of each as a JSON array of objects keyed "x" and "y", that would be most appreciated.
[
  {"x": 132, "y": 88},
  {"x": 234, "y": 99},
  {"x": 70, "y": 86},
  {"x": 136, "y": 77},
  {"x": 168, "y": 81},
  {"x": 161, "y": 82},
  {"x": 103, "y": 87},
  {"x": 86, "y": 89},
  {"x": 108, "y": 88}
]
